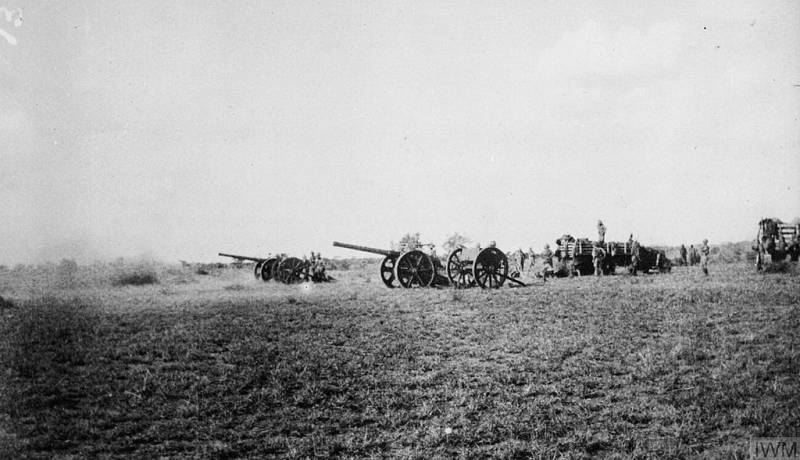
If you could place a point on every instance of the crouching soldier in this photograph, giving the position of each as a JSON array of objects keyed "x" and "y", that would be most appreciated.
[{"x": 318, "y": 269}]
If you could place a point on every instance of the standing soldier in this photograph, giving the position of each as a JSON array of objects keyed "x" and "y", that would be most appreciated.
[
  {"x": 634, "y": 257},
  {"x": 683, "y": 254},
  {"x": 531, "y": 258},
  {"x": 601, "y": 232},
  {"x": 597, "y": 259},
  {"x": 547, "y": 256},
  {"x": 520, "y": 254},
  {"x": 704, "y": 250},
  {"x": 781, "y": 247},
  {"x": 692, "y": 254}
]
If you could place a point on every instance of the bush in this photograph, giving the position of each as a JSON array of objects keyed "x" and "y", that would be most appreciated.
[
  {"x": 5, "y": 303},
  {"x": 138, "y": 276}
]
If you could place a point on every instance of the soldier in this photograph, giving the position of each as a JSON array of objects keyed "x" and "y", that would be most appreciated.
[
  {"x": 683, "y": 255},
  {"x": 781, "y": 247},
  {"x": 704, "y": 250},
  {"x": 692, "y": 254},
  {"x": 601, "y": 232},
  {"x": 794, "y": 249},
  {"x": 547, "y": 256},
  {"x": 519, "y": 255},
  {"x": 531, "y": 258},
  {"x": 634, "y": 257},
  {"x": 597, "y": 259},
  {"x": 492, "y": 244}
]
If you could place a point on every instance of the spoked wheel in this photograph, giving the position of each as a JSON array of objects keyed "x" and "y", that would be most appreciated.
[
  {"x": 414, "y": 269},
  {"x": 293, "y": 270},
  {"x": 387, "y": 271},
  {"x": 490, "y": 268},
  {"x": 257, "y": 270},
  {"x": 459, "y": 273},
  {"x": 268, "y": 268}
]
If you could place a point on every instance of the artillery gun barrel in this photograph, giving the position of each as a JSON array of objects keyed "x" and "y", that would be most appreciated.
[
  {"x": 383, "y": 252},
  {"x": 254, "y": 259}
]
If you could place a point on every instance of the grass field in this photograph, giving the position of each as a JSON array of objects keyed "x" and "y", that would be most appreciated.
[{"x": 224, "y": 366}]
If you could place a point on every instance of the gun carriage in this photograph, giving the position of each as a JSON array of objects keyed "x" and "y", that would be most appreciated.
[
  {"x": 487, "y": 268},
  {"x": 407, "y": 269},
  {"x": 288, "y": 270},
  {"x": 778, "y": 239}
]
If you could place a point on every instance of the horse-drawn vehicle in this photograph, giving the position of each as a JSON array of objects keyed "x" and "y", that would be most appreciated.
[
  {"x": 778, "y": 240},
  {"x": 578, "y": 254}
]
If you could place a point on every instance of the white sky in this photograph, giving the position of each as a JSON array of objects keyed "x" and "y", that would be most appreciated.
[{"x": 181, "y": 129}]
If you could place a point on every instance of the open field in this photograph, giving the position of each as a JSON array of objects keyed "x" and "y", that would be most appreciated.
[{"x": 224, "y": 366}]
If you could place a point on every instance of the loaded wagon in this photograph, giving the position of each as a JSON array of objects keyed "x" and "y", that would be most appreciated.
[
  {"x": 778, "y": 240},
  {"x": 578, "y": 254}
]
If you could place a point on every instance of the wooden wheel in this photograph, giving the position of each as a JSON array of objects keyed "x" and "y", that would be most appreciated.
[
  {"x": 387, "y": 271},
  {"x": 292, "y": 270},
  {"x": 414, "y": 269},
  {"x": 257, "y": 269},
  {"x": 490, "y": 268},
  {"x": 459, "y": 272},
  {"x": 268, "y": 268}
]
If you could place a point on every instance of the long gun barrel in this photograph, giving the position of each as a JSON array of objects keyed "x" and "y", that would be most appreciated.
[
  {"x": 383, "y": 252},
  {"x": 254, "y": 259}
]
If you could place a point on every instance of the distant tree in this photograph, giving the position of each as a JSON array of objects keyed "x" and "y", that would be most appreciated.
[
  {"x": 455, "y": 241},
  {"x": 409, "y": 241}
]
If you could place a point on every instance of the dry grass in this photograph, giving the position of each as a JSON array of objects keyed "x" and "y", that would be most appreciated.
[{"x": 224, "y": 366}]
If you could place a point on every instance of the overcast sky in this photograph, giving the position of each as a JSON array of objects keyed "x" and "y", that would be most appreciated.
[{"x": 181, "y": 129}]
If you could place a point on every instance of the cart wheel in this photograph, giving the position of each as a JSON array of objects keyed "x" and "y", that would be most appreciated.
[
  {"x": 414, "y": 269},
  {"x": 490, "y": 268},
  {"x": 293, "y": 270},
  {"x": 387, "y": 271},
  {"x": 257, "y": 270},
  {"x": 458, "y": 272},
  {"x": 268, "y": 268}
]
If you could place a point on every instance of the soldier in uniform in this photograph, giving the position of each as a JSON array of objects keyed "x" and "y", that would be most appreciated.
[
  {"x": 692, "y": 254},
  {"x": 780, "y": 248},
  {"x": 520, "y": 255},
  {"x": 794, "y": 249},
  {"x": 704, "y": 250},
  {"x": 597, "y": 259},
  {"x": 601, "y": 232},
  {"x": 683, "y": 254},
  {"x": 547, "y": 255},
  {"x": 634, "y": 257},
  {"x": 531, "y": 258}
]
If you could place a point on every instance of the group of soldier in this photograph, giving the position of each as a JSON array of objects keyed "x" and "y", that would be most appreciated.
[
  {"x": 557, "y": 264},
  {"x": 692, "y": 256},
  {"x": 316, "y": 267}
]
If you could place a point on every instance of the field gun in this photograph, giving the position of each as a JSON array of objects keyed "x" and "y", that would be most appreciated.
[
  {"x": 487, "y": 268},
  {"x": 412, "y": 268},
  {"x": 265, "y": 268}
]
